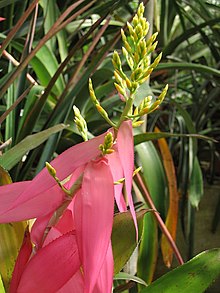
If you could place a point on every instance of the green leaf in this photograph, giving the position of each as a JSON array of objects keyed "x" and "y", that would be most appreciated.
[
  {"x": 9, "y": 159},
  {"x": 125, "y": 276},
  {"x": 194, "y": 276},
  {"x": 154, "y": 178},
  {"x": 196, "y": 184},
  {"x": 188, "y": 66},
  {"x": 124, "y": 237},
  {"x": 139, "y": 138},
  {"x": 45, "y": 65},
  {"x": 11, "y": 236}
]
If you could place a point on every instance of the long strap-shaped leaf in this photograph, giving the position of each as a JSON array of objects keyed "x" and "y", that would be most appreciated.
[
  {"x": 9, "y": 159},
  {"x": 172, "y": 215}
]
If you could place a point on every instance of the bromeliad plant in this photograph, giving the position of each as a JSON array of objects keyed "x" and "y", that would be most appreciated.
[{"x": 68, "y": 247}]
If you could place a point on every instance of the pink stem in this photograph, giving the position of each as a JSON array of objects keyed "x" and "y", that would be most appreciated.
[{"x": 160, "y": 221}]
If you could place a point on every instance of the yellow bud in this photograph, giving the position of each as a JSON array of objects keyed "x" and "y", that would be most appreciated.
[
  {"x": 101, "y": 110},
  {"x": 116, "y": 60},
  {"x": 123, "y": 36},
  {"x": 140, "y": 11},
  {"x": 135, "y": 20},
  {"x": 109, "y": 151},
  {"x": 137, "y": 123},
  {"x": 119, "y": 89},
  {"x": 51, "y": 170},
  {"x": 92, "y": 93},
  {"x": 130, "y": 28},
  {"x": 156, "y": 61},
  {"x": 128, "y": 83},
  {"x": 117, "y": 77},
  {"x": 163, "y": 94}
]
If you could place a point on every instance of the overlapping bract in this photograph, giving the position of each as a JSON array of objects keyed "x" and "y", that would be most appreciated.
[{"x": 71, "y": 236}]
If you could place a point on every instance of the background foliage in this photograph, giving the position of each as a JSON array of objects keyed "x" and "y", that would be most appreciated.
[{"x": 49, "y": 50}]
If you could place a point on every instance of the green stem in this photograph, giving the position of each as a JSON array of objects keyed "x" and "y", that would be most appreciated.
[{"x": 126, "y": 111}]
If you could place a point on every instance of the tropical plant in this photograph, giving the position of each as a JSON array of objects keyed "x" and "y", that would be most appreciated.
[{"x": 59, "y": 46}]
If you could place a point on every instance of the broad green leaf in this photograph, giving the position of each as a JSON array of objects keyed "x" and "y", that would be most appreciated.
[
  {"x": 148, "y": 249},
  {"x": 194, "y": 276},
  {"x": 124, "y": 237},
  {"x": 9, "y": 159},
  {"x": 45, "y": 65},
  {"x": 154, "y": 178},
  {"x": 125, "y": 276},
  {"x": 196, "y": 184}
]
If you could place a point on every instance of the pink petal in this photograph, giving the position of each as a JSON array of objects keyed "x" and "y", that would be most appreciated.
[
  {"x": 51, "y": 267},
  {"x": 2, "y": 18},
  {"x": 93, "y": 208},
  {"x": 21, "y": 261},
  {"x": 104, "y": 282},
  {"x": 64, "y": 164},
  {"x": 117, "y": 173},
  {"x": 125, "y": 144},
  {"x": 38, "y": 229},
  {"x": 74, "y": 176},
  {"x": 76, "y": 283},
  {"x": 9, "y": 193},
  {"x": 64, "y": 225},
  {"x": 15, "y": 208}
]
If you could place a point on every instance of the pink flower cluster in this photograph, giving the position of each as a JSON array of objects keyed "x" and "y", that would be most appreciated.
[{"x": 69, "y": 246}]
